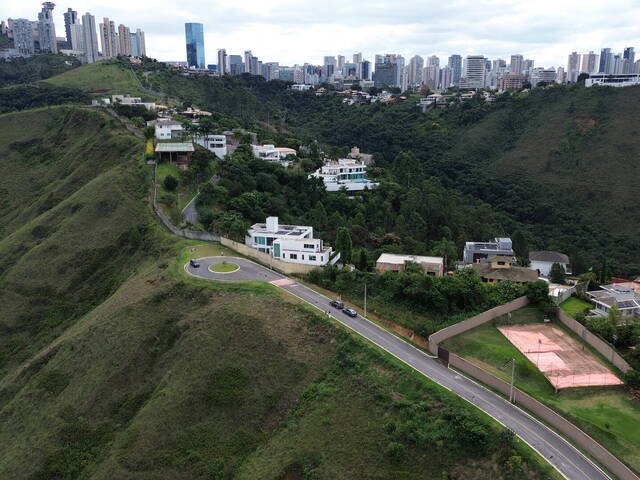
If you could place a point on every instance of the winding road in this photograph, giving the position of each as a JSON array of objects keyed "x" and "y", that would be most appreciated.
[{"x": 570, "y": 462}]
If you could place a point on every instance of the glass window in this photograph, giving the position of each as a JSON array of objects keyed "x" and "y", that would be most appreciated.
[
  {"x": 312, "y": 258},
  {"x": 293, "y": 256}
]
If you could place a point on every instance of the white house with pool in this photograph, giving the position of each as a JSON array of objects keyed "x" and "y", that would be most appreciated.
[
  {"x": 290, "y": 243},
  {"x": 346, "y": 173}
]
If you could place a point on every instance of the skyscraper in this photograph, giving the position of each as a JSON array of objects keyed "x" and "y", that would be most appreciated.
[
  {"x": 47, "y": 29},
  {"x": 573, "y": 67},
  {"x": 142, "y": 43},
  {"x": 251, "y": 63},
  {"x": 124, "y": 40},
  {"x": 365, "y": 68},
  {"x": 77, "y": 37},
  {"x": 455, "y": 62},
  {"x": 70, "y": 18},
  {"x": 22, "y": 35},
  {"x": 589, "y": 63},
  {"x": 341, "y": 62},
  {"x": 135, "y": 52},
  {"x": 433, "y": 61},
  {"x": 446, "y": 77},
  {"x": 328, "y": 67},
  {"x": 222, "y": 62},
  {"x": 385, "y": 75},
  {"x": 474, "y": 72},
  {"x": 236, "y": 67},
  {"x": 194, "y": 33},
  {"x": 629, "y": 57},
  {"x": 416, "y": 64},
  {"x": 109, "y": 38},
  {"x": 606, "y": 58},
  {"x": 517, "y": 64},
  {"x": 90, "y": 38}
]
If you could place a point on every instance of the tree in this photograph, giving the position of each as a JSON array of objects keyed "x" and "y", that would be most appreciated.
[
  {"x": 149, "y": 132},
  {"x": 557, "y": 274},
  {"x": 538, "y": 292},
  {"x": 362, "y": 260},
  {"x": 170, "y": 183},
  {"x": 344, "y": 244},
  {"x": 601, "y": 326},
  {"x": 521, "y": 248}
]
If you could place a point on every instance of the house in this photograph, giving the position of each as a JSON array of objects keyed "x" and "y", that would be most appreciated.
[
  {"x": 289, "y": 243},
  {"x": 365, "y": 158},
  {"x": 271, "y": 153},
  {"x": 346, "y": 173},
  {"x": 132, "y": 101},
  {"x": 626, "y": 299},
  {"x": 214, "y": 143},
  {"x": 543, "y": 261},
  {"x": 299, "y": 87},
  {"x": 175, "y": 153},
  {"x": 167, "y": 129},
  {"x": 388, "y": 262},
  {"x": 497, "y": 268},
  {"x": 476, "y": 251}
]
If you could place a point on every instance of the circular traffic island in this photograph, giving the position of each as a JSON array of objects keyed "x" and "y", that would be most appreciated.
[{"x": 224, "y": 267}]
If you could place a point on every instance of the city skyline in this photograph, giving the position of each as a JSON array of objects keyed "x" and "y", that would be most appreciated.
[{"x": 545, "y": 31}]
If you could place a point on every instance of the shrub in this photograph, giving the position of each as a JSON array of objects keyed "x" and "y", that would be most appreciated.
[
  {"x": 227, "y": 386},
  {"x": 170, "y": 183}
]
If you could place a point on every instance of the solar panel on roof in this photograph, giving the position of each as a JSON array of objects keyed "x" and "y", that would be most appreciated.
[{"x": 627, "y": 304}]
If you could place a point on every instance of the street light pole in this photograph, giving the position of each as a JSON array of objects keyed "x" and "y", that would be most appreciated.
[
  {"x": 513, "y": 374},
  {"x": 365, "y": 299}
]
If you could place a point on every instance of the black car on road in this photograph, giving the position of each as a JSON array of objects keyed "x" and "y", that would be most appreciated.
[
  {"x": 337, "y": 304},
  {"x": 351, "y": 312},
  {"x": 194, "y": 263}
]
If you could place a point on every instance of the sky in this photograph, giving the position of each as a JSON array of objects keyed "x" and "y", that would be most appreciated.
[{"x": 298, "y": 31}]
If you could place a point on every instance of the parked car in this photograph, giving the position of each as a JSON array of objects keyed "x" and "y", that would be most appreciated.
[
  {"x": 351, "y": 312},
  {"x": 337, "y": 304},
  {"x": 194, "y": 263}
]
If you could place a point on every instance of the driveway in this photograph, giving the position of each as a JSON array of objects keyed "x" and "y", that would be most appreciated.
[{"x": 560, "y": 453}]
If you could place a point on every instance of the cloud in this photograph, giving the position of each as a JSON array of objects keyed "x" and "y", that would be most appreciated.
[{"x": 291, "y": 31}]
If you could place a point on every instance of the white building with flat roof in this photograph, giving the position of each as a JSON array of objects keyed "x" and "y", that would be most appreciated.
[
  {"x": 397, "y": 263},
  {"x": 271, "y": 153},
  {"x": 344, "y": 174},
  {"x": 214, "y": 143},
  {"x": 167, "y": 128},
  {"x": 289, "y": 243},
  {"x": 610, "y": 80}
]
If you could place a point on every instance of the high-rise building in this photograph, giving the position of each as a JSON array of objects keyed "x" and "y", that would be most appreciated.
[
  {"x": 365, "y": 68},
  {"x": 142, "y": 43},
  {"x": 109, "y": 38},
  {"x": 124, "y": 40},
  {"x": 236, "y": 67},
  {"x": 341, "y": 62},
  {"x": 70, "y": 18},
  {"x": 194, "y": 34},
  {"x": 271, "y": 70},
  {"x": 90, "y": 38},
  {"x": 414, "y": 75},
  {"x": 22, "y": 35},
  {"x": 474, "y": 72},
  {"x": 589, "y": 63},
  {"x": 135, "y": 51},
  {"x": 357, "y": 60},
  {"x": 517, "y": 64},
  {"x": 385, "y": 75},
  {"x": 431, "y": 76},
  {"x": 528, "y": 64},
  {"x": 560, "y": 75},
  {"x": 77, "y": 37},
  {"x": 222, "y": 62},
  {"x": 329, "y": 67},
  {"x": 573, "y": 67},
  {"x": 499, "y": 65},
  {"x": 251, "y": 63},
  {"x": 47, "y": 29},
  {"x": 629, "y": 57},
  {"x": 455, "y": 62},
  {"x": 606, "y": 59},
  {"x": 446, "y": 77}
]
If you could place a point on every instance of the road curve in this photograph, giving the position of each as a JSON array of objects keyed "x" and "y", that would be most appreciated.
[{"x": 570, "y": 462}]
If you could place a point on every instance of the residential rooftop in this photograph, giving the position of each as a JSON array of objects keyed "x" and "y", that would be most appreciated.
[{"x": 393, "y": 258}]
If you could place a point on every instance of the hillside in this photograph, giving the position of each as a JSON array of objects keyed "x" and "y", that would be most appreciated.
[
  {"x": 22, "y": 70},
  {"x": 114, "y": 365},
  {"x": 106, "y": 77}
]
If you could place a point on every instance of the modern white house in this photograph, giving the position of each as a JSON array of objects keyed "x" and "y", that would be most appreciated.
[
  {"x": 626, "y": 299},
  {"x": 344, "y": 174},
  {"x": 271, "y": 153},
  {"x": 474, "y": 252},
  {"x": 300, "y": 87},
  {"x": 611, "y": 80},
  {"x": 167, "y": 129},
  {"x": 132, "y": 101},
  {"x": 214, "y": 143},
  {"x": 289, "y": 243},
  {"x": 544, "y": 260}
]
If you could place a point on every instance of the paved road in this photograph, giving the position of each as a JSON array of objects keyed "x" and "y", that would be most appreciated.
[
  {"x": 189, "y": 212},
  {"x": 562, "y": 455}
]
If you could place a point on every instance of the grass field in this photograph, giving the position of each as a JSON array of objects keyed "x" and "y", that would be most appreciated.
[
  {"x": 608, "y": 414},
  {"x": 572, "y": 306},
  {"x": 224, "y": 267},
  {"x": 100, "y": 78},
  {"x": 172, "y": 203}
]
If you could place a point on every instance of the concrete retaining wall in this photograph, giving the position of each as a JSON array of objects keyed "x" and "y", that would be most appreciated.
[
  {"x": 266, "y": 259},
  {"x": 596, "y": 342},
  {"x": 558, "y": 422},
  {"x": 473, "y": 322}
]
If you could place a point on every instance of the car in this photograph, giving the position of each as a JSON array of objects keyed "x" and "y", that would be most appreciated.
[
  {"x": 194, "y": 263},
  {"x": 337, "y": 304},
  {"x": 351, "y": 312}
]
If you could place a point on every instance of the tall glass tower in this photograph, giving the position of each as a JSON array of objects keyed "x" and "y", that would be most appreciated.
[{"x": 195, "y": 44}]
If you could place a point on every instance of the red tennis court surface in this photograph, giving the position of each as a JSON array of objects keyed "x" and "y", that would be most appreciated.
[{"x": 563, "y": 360}]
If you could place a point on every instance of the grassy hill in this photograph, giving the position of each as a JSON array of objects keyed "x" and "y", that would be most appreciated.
[
  {"x": 24, "y": 70},
  {"x": 107, "y": 77},
  {"x": 114, "y": 366}
]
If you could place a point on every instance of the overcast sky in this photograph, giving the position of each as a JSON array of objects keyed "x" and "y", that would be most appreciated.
[{"x": 298, "y": 31}]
